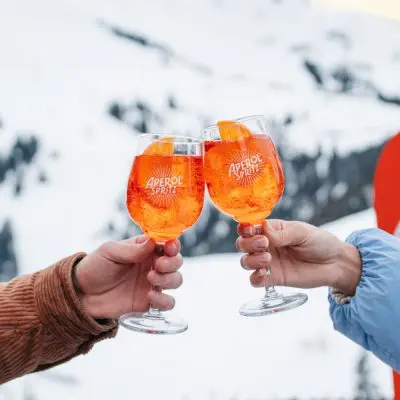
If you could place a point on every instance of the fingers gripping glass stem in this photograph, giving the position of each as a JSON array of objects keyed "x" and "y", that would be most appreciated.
[
  {"x": 270, "y": 291},
  {"x": 153, "y": 321},
  {"x": 272, "y": 302}
]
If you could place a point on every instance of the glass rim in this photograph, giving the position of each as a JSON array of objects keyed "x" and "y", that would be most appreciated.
[
  {"x": 180, "y": 139},
  {"x": 236, "y": 120}
]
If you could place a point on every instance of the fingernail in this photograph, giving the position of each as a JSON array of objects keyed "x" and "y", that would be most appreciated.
[
  {"x": 142, "y": 240},
  {"x": 156, "y": 283},
  {"x": 174, "y": 246},
  {"x": 243, "y": 262},
  {"x": 269, "y": 227},
  {"x": 248, "y": 230},
  {"x": 261, "y": 272},
  {"x": 260, "y": 243}
]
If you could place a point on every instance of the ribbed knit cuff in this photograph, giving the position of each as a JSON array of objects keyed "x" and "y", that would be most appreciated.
[
  {"x": 60, "y": 310},
  {"x": 339, "y": 297}
]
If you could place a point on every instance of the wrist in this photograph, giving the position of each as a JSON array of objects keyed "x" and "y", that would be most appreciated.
[
  {"x": 76, "y": 285},
  {"x": 348, "y": 270},
  {"x": 82, "y": 297}
]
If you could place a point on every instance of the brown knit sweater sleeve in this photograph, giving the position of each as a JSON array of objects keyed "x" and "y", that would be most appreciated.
[{"x": 42, "y": 323}]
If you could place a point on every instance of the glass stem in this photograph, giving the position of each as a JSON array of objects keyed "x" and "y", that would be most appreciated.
[
  {"x": 155, "y": 312},
  {"x": 270, "y": 291}
]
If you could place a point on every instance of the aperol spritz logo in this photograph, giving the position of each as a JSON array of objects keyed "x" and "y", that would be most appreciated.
[
  {"x": 245, "y": 167},
  {"x": 163, "y": 187}
]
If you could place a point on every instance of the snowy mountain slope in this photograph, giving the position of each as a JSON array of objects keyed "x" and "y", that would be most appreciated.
[
  {"x": 63, "y": 67},
  {"x": 223, "y": 355},
  {"x": 255, "y": 56}
]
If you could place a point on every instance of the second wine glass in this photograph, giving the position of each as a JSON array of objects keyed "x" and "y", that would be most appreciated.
[{"x": 245, "y": 180}]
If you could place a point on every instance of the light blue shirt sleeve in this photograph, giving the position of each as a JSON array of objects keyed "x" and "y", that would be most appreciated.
[{"x": 372, "y": 318}]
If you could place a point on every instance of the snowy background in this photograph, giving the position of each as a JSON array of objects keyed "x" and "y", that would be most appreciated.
[{"x": 80, "y": 80}]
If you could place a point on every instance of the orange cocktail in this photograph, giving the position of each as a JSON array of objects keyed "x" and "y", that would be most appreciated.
[
  {"x": 244, "y": 178},
  {"x": 165, "y": 194}
]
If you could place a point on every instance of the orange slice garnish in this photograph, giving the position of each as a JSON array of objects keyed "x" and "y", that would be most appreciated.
[
  {"x": 162, "y": 147},
  {"x": 232, "y": 130}
]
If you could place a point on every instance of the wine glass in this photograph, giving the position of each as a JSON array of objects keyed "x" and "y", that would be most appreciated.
[
  {"x": 245, "y": 180},
  {"x": 165, "y": 197}
]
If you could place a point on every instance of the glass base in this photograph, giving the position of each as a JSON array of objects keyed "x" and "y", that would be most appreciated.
[
  {"x": 272, "y": 304},
  {"x": 154, "y": 323}
]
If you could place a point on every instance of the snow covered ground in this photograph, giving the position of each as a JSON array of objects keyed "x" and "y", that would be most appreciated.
[{"x": 222, "y": 355}]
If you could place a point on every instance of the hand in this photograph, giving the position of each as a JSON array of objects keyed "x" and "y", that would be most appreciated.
[
  {"x": 116, "y": 278},
  {"x": 301, "y": 255}
]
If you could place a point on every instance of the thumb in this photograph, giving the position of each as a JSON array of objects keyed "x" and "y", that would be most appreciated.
[
  {"x": 140, "y": 248},
  {"x": 132, "y": 250},
  {"x": 286, "y": 233}
]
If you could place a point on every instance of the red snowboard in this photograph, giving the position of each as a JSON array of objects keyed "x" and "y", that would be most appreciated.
[{"x": 387, "y": 202}]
